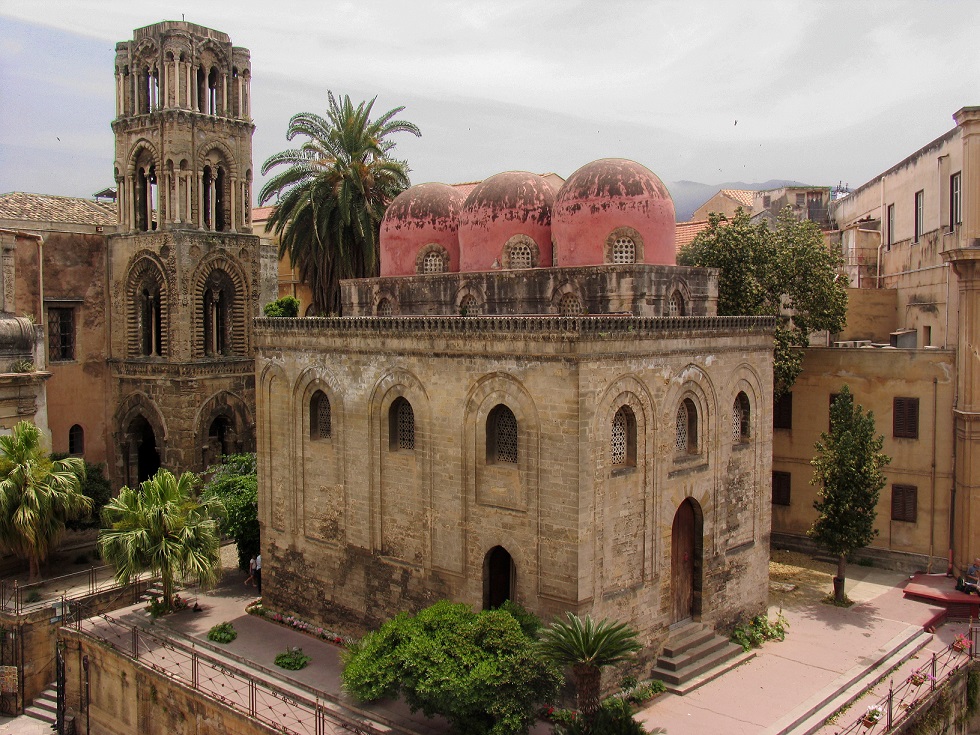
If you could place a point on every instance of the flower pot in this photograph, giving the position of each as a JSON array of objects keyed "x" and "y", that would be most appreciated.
[
  {"x": 869, "y": 722},
  {"x": 960, "y": 646},
  {"x": 918, "y": 680}
]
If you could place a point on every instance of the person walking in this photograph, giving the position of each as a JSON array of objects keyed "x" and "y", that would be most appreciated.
[
  {"x": 258, "y": 573},
  {"x": 250, "y": 579}
]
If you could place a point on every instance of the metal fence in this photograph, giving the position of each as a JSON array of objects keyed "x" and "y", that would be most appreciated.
[
  {"x": 285, "y": 711},
  {"x": 18, "y": 598},
  {"x": 886, "y": 713}
]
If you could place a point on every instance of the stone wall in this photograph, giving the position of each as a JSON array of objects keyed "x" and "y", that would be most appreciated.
[{"x": 355, "y": 524}]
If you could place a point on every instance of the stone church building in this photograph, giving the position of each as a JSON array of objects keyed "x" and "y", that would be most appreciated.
[
  {"x": 532, "y": 402},
  {"x": 148, "y": 304}
]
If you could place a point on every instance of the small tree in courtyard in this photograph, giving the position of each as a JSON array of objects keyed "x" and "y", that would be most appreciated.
[
  {"x": 234, "y": 483},
  {"x": 848, "y": 467}
]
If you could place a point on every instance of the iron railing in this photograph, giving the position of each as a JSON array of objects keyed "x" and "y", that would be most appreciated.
[{"x": 19, "y": 598}]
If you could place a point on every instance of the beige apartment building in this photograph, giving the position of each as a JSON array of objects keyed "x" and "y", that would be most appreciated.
[{"x": 910, "y": 241}]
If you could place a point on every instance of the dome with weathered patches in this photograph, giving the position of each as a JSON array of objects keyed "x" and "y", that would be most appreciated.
[
  {"x": 419, "y": 231},
  {"x": 506, "y": 223},
  {"x": 613, "y": 211}
]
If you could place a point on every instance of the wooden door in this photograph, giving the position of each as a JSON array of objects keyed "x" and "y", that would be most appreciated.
[{"x": 682, "y": 562}]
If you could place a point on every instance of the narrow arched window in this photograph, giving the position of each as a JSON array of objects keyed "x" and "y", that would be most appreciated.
[
  {"x": 740, "y": 419},
  {"x": 385, "y": 308},
  {"x": 433, "y": 263},
  {"x": 675, "y": 306},
  {"x": 686, "y": 436},
  {"x": 502, "y": 441},
  {"x": 319, "y": 416},
  {"x": 76, "y": 440},
  {"x": 520, "y": 256},
  {"x": 624, "y": 250},
  {"x": 622, "y": 448},
  {"x": 569, "y": 305},
  {"x": 469, "y": 306},
  {"x": 401, "y": 425}
]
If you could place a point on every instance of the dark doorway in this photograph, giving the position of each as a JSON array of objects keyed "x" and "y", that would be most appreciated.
[
  {"x": 221, "y": 440},
  {"x": 685, "y": 561},
  {"x": 143, "y": 455},
  {"x": 498, "y": 577}
]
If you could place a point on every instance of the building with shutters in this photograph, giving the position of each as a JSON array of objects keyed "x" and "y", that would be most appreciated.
[{"x": 533, "y": 402}]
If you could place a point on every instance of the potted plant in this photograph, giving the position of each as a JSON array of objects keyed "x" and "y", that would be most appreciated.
[
  {"x": 873, "y": 715},
  {"x": 961, "y": 642},
  {"x": 920, "y": 677}
]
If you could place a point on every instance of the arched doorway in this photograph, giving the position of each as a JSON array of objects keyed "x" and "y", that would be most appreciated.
[
  {"x": 685, "y": 561},
  {"x": 498, "y": 577},
  {"x": 144, "y": 458}
]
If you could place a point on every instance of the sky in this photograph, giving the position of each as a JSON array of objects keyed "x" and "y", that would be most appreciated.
[{"x": 819, "y": 91}]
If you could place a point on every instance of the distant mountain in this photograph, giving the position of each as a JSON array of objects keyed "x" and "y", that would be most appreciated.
[{"x": 689, "y": 195}]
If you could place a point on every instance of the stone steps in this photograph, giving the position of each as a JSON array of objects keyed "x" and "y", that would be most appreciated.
[
  {"x": 45, "y": 706},
  {"x": 694, "y": 655}
]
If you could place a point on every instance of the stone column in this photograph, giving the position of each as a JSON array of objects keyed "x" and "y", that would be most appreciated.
[
  {"x": 231, "y": 201},
  {"x": 200, "y": 201}
]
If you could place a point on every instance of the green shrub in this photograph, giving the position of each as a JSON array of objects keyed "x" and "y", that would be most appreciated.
[
  {"x": 530, "y": 623},
  {"x": 287, "y": 306},
  {"x": 614, "y": 717},
  {"x": 33, "y": 596},
  {"x": 222, "y": 633},
  {"x": 759, "y": 630},
  {"x": 293, "y": 659}
]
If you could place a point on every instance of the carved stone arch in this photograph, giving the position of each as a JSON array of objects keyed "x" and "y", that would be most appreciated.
[
  {"x": 677, "y": 287},
  {"x": 210, "y": 50},
  {"x": 146, "y": 278},
  {"x": 204, "y": 156},
  {"x": 136, "y": 413},
  {"x": 695, "y": 384},
  {"x": 615, "y": 240},
  {"x": 519, "y": 252},
  {"x": 470, "y": 297},
  {"x": 236, "y": 433},
  {"x": 220, "y": 272},
  {"x": 311, "y": 380},
  {"x": 394, "y": 385},
  {"x": 146, "y": 50},
  {"x": 489, "y": 483},
  {"x": 626, "y": 390},
  {"x": 385, "y": 302},
  {"x": 136, "y": 154},
  {"x": 432, "y": 252},
  {"x": 273, "y": 450},
  {"x": 746, "y": 379},
  {"x": 566, "y": 300}
]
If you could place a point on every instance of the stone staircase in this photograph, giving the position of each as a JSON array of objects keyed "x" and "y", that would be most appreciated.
[
  {"x": 45, "y": 706},
  {"x": 694, "y": 655}
]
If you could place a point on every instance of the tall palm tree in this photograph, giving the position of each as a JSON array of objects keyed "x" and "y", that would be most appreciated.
[
  {"x": 162, "y": 528},
  {"x": 333, "y": 193},
  {"x": 37, "y": 495},
  {"x": 587, "y": 646}
]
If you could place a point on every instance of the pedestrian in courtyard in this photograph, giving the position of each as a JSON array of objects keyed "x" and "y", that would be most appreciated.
[
  {"x": 258, "y": 573},
  {"x": 250, "y": 579}
]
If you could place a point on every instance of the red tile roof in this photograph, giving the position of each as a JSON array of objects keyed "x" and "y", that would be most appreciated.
[
  {"x": 742, "y": 196},
  {"x": 687, "y": 231},
  {"x": 19, "y": 205}
]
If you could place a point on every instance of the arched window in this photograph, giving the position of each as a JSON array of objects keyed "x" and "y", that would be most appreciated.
[
  {"x": 319, "y": 416},
  {"x": 433, "y": 263},
  {"x": 624, "y": 250},
  {"x": 740, "y": 419},
  {"x": 215, "y": 321},
  {"x": 686, "y": 437},
  {"x": 622, "y": 447},
  {"x": 385, "y": 308},
  {"x": 569, "y": 305},
  {"x": 469, "y": 306},
  {"x": 520, "y": 256},
  {"x": 76, "y": 440},
  {"x": 401, "y": 425},
  {"x": 501, "y": 435},
  {"x": 151, "y": 334},
  {"x": 675, "y": 306}
]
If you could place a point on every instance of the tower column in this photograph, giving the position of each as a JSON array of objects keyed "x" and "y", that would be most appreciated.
[
  {"x": 200, "y": 201},
  {"x": 232, "y": 196}
]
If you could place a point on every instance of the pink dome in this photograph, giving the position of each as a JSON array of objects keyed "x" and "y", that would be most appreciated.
[
  {"x": 422, "y": 215},
  {"x": 514, "y": 203},
  {"x": 608, "y": 202}
]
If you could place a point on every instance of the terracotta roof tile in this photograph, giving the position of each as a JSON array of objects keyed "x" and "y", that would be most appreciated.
[
  {"x": 742, "y": 196},
  {"x": 687, "y": 231},
  {"x": 18, "y": 205}
]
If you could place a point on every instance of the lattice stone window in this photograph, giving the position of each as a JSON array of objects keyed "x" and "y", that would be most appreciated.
[
  {"x": 502, "y": 435},
  {"x": 624, "y": 250},
  {"x": 401, "y": 425},
  {"x": 740, "y": 419},
  {"x": 385, "y": 308},
  {"x": 520, "y": 256},
  {"x": 469, "y": 306},
  {"x": 320, "y": 427},
  {"x": 569, "y": 305},
  {"x": 675, "y": 306},
  {"x": 686, "y": 436},
  {"x": 433, "y": 263},
  {"x": 622, "y": 448}
]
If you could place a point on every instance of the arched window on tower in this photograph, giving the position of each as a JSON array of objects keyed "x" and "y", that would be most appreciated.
[
  {"x": 145, "y": 195},
  {"x": 320, "y": 416},
  {"x": 213, "y": 91},
  {"x": 76, "y": 440},
  {"x": 401, "y": 425},
  {"x": 686, "y": 427},
  {"x": 502, "y": 436},
  {"x": 151, "y": 334},
  {"x": 622, "y": 448},
  {"x": 215, "y": 320},
  {"x": 740, "y": 419},
  {"x": 202, "y": 90}
]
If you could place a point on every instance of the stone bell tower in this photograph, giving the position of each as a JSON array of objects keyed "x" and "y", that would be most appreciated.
[{"x": 186, "y": 274}]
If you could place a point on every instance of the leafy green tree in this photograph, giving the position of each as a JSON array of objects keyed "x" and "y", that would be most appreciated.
[
  {"x": 479, "y": 670},
  {"x": 235, "y": 484},
  {"x": 587, "y": 647},
  {"x": 287, "y": 306},
  {"x": 94, "y": 485},
  {"x": 333, "y": 192},
  {"x": 848, "y": 467},
  {"x": 162, "y": 528},
  {"x": 785, "y": 271},
  {"x": 38, "y": 495}
]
